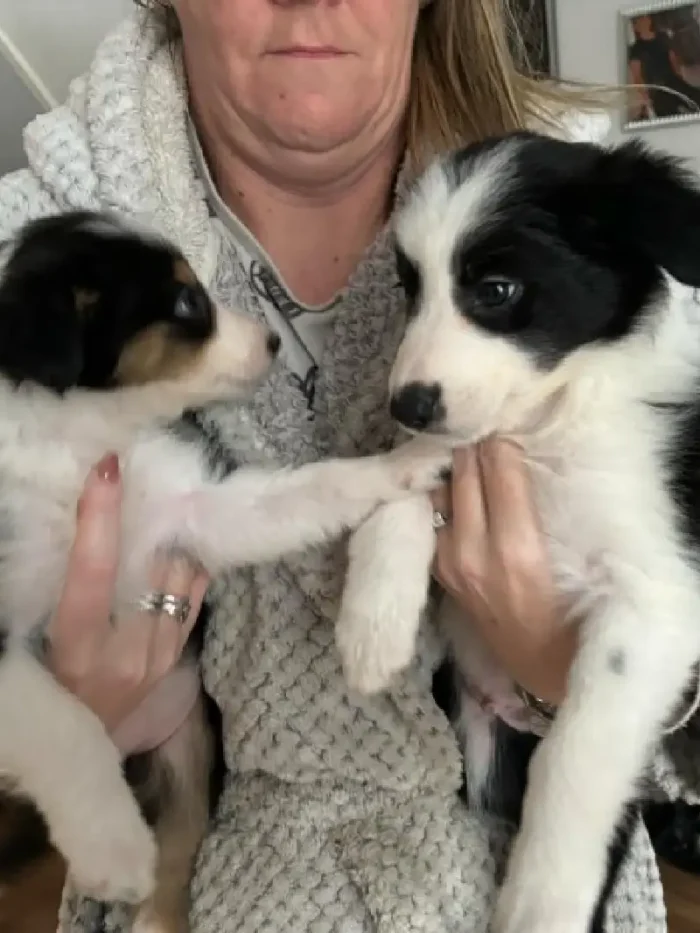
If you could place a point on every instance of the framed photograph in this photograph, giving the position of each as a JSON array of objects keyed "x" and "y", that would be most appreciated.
[
  {"x": 536, "y": 24},
  {"x": 661, "y": 58}
]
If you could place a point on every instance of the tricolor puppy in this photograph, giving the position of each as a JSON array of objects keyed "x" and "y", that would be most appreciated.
[
  {"x": 106, "y": 337},
  {"x": 550, "y": 287}
]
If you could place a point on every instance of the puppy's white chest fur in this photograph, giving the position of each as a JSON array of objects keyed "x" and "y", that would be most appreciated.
[{"x": 592, "y": 484}]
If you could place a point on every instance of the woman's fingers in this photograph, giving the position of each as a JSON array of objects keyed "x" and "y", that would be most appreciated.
[
  {"x": 493, "y": 559},
  {"x": 442, "y": 500},
  {"x": 112, "y": 662},
  {"x": 84, "y": 609},
  {"x": 514, "y": 525},
  {"x": 178, "y": 577},
  {"x": 469, "y": 505},
  {"x": 462, "y": 505},
  {"x": 198, "y": 591},
  {"x": 461, "y": 542}
]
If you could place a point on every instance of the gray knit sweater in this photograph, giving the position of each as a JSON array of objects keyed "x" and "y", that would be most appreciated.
[{"x": 339, "y": 814}]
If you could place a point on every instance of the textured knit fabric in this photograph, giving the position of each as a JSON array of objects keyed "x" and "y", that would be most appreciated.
[
  {"x": 339, "y": 815},
  {"x": 304, "y": 328}
]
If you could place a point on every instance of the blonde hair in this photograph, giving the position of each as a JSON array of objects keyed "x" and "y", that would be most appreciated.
[{"x": 465, "y": 81}]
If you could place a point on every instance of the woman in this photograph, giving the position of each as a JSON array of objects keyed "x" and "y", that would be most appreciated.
[{"x": 337, "y": 813}]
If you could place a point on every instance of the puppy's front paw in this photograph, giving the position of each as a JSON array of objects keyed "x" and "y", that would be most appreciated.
[
  {"x": 536, "y": 898},
  {"x": 376, "y": 633},
  {"x": 114, "y": 857},
  {"x": 552, "y": 914},
  {"x": 422, "y": 464}
]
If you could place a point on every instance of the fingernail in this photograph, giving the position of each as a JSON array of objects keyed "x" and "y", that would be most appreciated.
[{"x": 108, "y": 468}]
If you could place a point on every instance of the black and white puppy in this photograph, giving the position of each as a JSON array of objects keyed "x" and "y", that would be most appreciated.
[
  {"x": 551, "y": 290},
  {"x": 106, "y": 335}
]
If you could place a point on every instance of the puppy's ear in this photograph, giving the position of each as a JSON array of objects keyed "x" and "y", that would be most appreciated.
[
  {"x": 652, "y": 201},
  {"x": 41, "y": 333}
]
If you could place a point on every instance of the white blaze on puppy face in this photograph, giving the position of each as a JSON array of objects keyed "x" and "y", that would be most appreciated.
[
  {"x": 239, "y": 356},
  {"x": 478, "y": 373}
]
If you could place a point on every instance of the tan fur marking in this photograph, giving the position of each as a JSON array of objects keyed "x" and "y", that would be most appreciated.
[
  {"x": 85, "y": 300},
  {"x": 182, "y": 272},
  {"x": 182, "y": 824},
  {"x": 156, "y": 355}
]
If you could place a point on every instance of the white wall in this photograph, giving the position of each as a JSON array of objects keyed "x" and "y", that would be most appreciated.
[
  {"x": 44, "y": 44},
  {"x": 589, "y": 47},
  {"x": 17, "y": 106},
  {"x": 58, "y": 37}
]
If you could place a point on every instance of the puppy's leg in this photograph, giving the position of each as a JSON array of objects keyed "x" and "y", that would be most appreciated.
[
  {"x": 176, "y": 792},
  {"x": 260, "y": 515},
  {"x": 636, "y": 658},
  {"x": 385, "y": 592},
  {"x": 61, "y": 758},
  {"x": 497, "y": 755}
]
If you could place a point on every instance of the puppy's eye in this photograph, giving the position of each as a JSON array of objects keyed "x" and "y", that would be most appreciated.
[
  {"x": 192, "y": 305},
  {"x": 496, "y": 292}
]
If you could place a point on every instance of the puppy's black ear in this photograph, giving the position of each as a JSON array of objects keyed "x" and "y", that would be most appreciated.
[
  {"x": 41, "y": 333},
  {"x": 653, "y": 203}
]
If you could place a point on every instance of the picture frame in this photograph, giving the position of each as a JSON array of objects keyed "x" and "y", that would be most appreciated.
[
  {"x": 660, "y": 54},
  {"x": 550, "y": 15},
  {"x": 537, "y": 26}
]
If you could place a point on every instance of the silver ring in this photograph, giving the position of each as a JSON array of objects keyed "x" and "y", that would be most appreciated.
[
  {"x": 176, "y": 607},
  {"x": 440, "y": 520}
]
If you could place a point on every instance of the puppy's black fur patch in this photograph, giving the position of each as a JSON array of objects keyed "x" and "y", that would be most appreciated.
[
  {"x": 23, "y": 836},
  {"x": 557, "y": 231},
  {"x": 194, "y": 427},
  {"x": 69, "y": 315},
  {"x": 674, "y": 828}
]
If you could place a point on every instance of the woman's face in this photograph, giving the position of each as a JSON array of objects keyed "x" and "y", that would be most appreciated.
[
  {"x": 303, "y": 74},
  {"x": 643, "y": 26}
]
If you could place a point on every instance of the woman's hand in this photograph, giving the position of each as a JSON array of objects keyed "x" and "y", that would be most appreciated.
[
  {"x": 492, "y": 558},
  {"x": 114, "y": 665}
]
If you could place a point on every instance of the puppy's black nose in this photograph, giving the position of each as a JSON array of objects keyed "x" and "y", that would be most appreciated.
[
  {"x": 417, "y": 405},
  {"x": 274, "y": 342}
]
